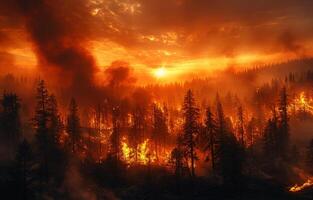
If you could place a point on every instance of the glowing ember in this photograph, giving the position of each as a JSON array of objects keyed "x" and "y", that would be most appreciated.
[{"x": 297, "y": 188}]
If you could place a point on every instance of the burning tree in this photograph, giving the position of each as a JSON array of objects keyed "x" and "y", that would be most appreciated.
[{"x": 240, "y": 125}]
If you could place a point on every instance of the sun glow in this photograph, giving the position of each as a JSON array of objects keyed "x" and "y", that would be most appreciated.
[{"x": 160, "y": 72}]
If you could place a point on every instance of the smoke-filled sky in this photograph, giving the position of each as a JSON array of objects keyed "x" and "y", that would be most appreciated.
[{"x": 78, "y": 39}]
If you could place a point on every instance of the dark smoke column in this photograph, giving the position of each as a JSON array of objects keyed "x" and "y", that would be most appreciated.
[{"x": 59, "y": 30}]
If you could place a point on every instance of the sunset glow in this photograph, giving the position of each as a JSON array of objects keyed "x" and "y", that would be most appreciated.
[{"x": 160, "y": 72}]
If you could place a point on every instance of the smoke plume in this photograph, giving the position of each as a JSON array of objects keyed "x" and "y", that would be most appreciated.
[{"x": 58, "y": 31}]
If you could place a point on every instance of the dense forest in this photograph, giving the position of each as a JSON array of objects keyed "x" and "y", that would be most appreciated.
[{"x": 235, "y": 135}]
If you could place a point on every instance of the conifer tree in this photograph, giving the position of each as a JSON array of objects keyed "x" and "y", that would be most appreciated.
[
  {"x": 24, "y": 175},
  {"x": 240, "y": 126},
  {"x": 42, "y": 131},
  {"x": 229, "y": 154},
  {"x": 115, "y": 136},
  {"x": 283, "y": 123},
  {"x": 159, "y": 128},
  {"x": 210, "y": 136},
  {"x": 10, "y": 124},
  {"x": 73, "y": 126},
  {"x": 191, "y": 129}
]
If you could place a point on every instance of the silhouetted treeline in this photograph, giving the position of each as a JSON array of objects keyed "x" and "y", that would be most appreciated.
[{"x": 138, "y": 146}]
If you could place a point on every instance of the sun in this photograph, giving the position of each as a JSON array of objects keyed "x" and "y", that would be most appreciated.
[{"x": 160, "y": 72}]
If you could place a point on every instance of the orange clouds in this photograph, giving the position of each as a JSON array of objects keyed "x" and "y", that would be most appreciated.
[{"x": 186, "y": 36}]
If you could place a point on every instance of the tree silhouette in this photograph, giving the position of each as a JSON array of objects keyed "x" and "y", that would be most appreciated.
[
  {"x": 270, "y": 139},
  {"x": 159, "y": 128},
  {"x": 191, "y": 128},
  {"x": 10, "y": 122},
  {"x": 210, "y": 136},
  {"x": 42, "y": 131},
  {"x": 73, "y": 126},
  {"x": 10, "y": 116},
  {"x": 283, "y": 124},
  {"x": 230, "y": 154},
  {"x": 240, "y": 125},
  {"x": 24, "y": 175},
  {"x": 116, "y": 133}
]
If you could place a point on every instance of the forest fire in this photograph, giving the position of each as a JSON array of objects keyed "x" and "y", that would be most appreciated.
[{"x": 158, "y": 99}]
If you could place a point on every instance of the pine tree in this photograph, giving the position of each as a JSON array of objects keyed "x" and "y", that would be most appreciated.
[
  {"x": 283, "y": 124},
  {"x": 240, "y": 126},
  {"x": 137, "y": 130},
  {"x": 177, "y": 158},
  {"x": 48, "y": 127},
  {"x": 251, "y": 131},
  {"x": 55, "y": 125},
  {"x": 24, "y": 170},
  {"x": 115, "y": 136},
  {"x": 229, "y": 154},
  {"x": 73, "y": 126},
  {"x": 57, "y": 156},
  {"x": 10, "y": 123},
  {"x": 159, "y": 128},
  {"x": 220, "y": 118},
  {"x": 270, "y": 139},
  {"x": 210, "y": 136},
  {"x": 191, "y": 128},
  {"x": 42, "y": 131}
]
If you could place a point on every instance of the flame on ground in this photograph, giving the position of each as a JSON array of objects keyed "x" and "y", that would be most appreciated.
[{"x": 297, "y": 188}]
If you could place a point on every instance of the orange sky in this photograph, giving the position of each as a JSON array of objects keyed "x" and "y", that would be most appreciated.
[{"x": 182, "y": 37}]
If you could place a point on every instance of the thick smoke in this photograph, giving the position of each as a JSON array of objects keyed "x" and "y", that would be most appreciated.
[
  {"x": 58, "y": 30},
  {"x": 119, "y": 73},
  {"x": 289, "y": 42}
]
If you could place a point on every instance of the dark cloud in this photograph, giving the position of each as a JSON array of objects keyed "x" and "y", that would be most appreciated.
[{"x": 118, "y": 73}]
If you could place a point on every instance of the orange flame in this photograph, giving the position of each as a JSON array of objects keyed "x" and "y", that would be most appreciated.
[
  {"x": 304, "y": 103},
  {"x": 145, "y": 153},
  {"x": 297, "y": 188}
]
